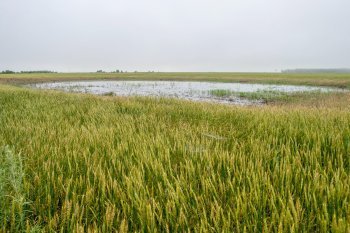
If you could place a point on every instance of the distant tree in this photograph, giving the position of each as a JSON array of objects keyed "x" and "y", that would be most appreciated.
[
  {"x": 100, "y": 71},
  {"x": 117, "y": 71},
  {"x": 38, "y": 72},
  {"x": 8, "y": 72}
]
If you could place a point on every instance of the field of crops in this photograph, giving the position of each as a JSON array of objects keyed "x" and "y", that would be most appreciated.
[{"x": 84, "y": 163}]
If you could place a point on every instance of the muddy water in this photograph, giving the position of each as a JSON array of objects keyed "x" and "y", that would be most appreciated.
[{"x": 197, "y": 91}]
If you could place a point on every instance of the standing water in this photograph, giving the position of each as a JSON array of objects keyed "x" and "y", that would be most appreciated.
[{"x": 197, "y": 91}]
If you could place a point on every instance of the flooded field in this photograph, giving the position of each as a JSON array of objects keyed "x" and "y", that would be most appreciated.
[{"x": 196, "y": 91}]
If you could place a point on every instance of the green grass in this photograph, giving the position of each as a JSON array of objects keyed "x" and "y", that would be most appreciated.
[
  {"x": 221, "y": 93},
  {"x": 324, "y": 79},
  {"x": 104, "y": 164},
  {"x": 270, "y": 95},
  {"x": 274, "y": 97},
  {"x": 12, "y": 198},
  {"x": 265, "y": 95}
]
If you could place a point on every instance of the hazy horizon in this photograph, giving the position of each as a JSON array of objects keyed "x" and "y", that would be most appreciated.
[{"x": 174, "y": 36}]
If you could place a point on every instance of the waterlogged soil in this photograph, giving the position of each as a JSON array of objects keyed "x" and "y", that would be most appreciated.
[{"x": 195, "y": 91}]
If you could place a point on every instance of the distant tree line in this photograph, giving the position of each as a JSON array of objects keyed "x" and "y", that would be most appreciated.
[
  {"x": 121, "y": 71},
  {"x": 298, "y": 71},
  {"x": 27, "y": 72},
  {"x": 38, "y": 72},
  {"x": 116, "y": 71},
  {"x": 7, "y": 72}
]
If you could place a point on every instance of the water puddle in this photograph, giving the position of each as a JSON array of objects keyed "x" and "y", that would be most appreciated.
[{"x": 196, "y": 91}]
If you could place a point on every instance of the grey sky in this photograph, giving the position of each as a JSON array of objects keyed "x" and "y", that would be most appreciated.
[{"x": 174, "y": 35}]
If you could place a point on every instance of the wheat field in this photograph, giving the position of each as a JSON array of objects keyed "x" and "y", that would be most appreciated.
[{"x": 84, "y": 163}]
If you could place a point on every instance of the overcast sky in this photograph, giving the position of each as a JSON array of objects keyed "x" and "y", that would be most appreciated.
[{"x": 174, "y": 35}]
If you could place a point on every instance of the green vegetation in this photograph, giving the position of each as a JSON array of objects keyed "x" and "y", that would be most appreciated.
[
  {"x": 12, "y": 198},
  {"x": 103, "y": 163},
  {"x": 7, "y": 72},
  {"x": 222, "y": 93},
  {"x": 273, "y": 97},
  {"x": 265, "y": 95},
  {"x": 323, "y": 79},
  {"x": 270, "y": 95}
]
